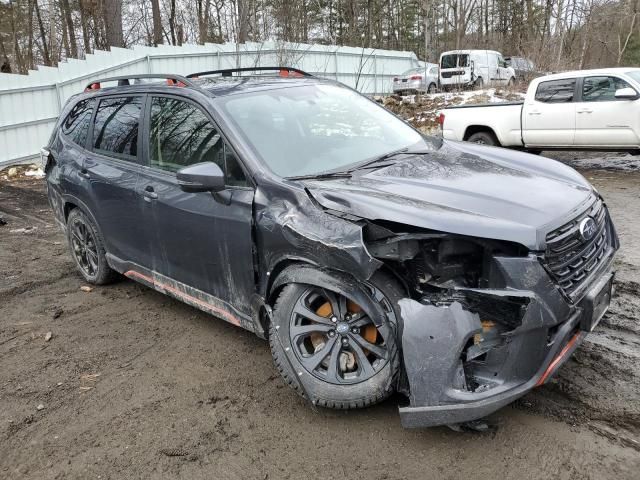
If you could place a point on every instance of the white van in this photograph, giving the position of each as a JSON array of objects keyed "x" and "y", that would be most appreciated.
[{"x": 474, "y": 68}]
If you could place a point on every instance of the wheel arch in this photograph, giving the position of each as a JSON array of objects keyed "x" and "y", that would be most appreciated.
[{"x": 473, "y": 129}]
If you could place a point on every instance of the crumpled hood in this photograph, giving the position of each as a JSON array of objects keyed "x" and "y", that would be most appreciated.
[{"x": 465, "y": 189}]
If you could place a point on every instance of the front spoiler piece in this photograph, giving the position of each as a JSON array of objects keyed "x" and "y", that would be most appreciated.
[{"x": 567, "y": 340}]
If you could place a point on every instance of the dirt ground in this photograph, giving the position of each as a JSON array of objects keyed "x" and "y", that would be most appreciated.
[{"x": 132, "y": 384}]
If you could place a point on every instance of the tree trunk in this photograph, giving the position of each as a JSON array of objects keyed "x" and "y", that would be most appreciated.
[
  {"x": 84, "y": 21},
  {"x": 112, "y": 14},
  {"x": 157, "y": 22},
  {"x": 66, "y": 10},
  {"x": 172, "y": 21},
  {"x": 45, "y": 49},
  {"x": 243, "y": 21}
]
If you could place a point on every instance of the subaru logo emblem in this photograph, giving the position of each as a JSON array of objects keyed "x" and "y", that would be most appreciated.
[{"x": 588, "y": 228}]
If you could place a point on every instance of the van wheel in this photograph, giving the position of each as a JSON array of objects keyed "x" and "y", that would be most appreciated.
[
  {"x": 432, "y": 88},
  {"x": 483, "y": 138},
  {"x": 330, "y": 350},
  {"x": 479, "y": 83},
  {"x": 87, "y": 249},
  {"x": 511, "y": 83}
]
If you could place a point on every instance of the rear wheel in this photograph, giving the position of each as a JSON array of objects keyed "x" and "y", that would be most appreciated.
[
  {"x": 87, "y": 249},
  {"x": 483, "y": 138},
  {"x": 479, "y": 83},
  {"x": 432, "y": 88},
  {"x": 331, "y": 350}
]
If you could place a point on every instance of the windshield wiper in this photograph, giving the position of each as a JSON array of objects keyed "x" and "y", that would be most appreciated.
[
  {"x": 375, "y": 161},
  {"x": 381, "y": 158},
  {"x": 322, "y": 176},
  {"x": 366, "y": 164}
]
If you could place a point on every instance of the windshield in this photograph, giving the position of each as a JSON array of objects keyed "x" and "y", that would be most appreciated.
[
  {"x": 634, "y": 74},
  {"x": 309, "y": 129},
  {"x": 454, "y": 60}
]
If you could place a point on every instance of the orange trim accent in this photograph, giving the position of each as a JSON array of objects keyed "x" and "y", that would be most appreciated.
[
  {"x": 557, "y": 360},
  {"x": 230, "y": 318}
]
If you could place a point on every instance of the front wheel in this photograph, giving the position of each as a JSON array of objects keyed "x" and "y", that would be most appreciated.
[
  {"x": 479, "y": 83},
  {"x": 432, "y": 88},
  {"x": 331, "y": 350}
]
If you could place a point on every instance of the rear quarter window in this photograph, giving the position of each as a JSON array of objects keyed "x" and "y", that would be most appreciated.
[
  {"x": 76, "y": 126},
  {"x": 556, "y": 91},
  {"x": 115, "y": 131}
]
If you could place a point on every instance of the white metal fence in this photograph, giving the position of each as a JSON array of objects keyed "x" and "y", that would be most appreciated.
[{"x": 30, "y": 104}]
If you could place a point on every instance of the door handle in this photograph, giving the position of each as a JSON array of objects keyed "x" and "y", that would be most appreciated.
[
  {"x": 534, "y": 113},
  {"x": 149, "y": 193},
  {"x": 84, "y": 173},
  {"x": 585, "y": 111}
]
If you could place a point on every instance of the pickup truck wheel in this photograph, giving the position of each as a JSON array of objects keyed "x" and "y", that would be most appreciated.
[
  {"x": 329, "y": 350},
  {"x": 87, "y": 249},
  {"x": 483, "y": 138}
]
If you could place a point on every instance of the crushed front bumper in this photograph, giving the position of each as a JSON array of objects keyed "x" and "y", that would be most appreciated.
[{"x": 446, "y": 389}]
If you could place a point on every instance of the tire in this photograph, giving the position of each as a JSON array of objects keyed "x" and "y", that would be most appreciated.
[
  {"x": 479, "y": 83},
  {"x": 431, "y": 88},
  {"x": 484, "y": 138},
  {"x": 87, "y": 249},
  {"x": 511, "y": 83},
  {"x": 346, "y": 389}
]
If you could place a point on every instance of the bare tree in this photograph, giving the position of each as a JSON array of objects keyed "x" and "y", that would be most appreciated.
[{"x": 112, "y": 15}]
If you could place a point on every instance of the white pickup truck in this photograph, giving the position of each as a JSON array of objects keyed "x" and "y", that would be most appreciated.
[{"x": 581, "y": 110}]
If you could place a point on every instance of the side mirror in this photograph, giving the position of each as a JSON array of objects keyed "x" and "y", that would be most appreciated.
[
  {"x": 201, "y": 177},
  {"x": 626, "y": 94}
]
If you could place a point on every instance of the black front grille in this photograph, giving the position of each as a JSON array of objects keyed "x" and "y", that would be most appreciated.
[{"x": 569, "y": 258}]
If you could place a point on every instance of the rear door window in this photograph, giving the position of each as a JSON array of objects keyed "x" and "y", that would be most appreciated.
[
  {"x": 454, "y": 60},
  {"x": 115, "y": 130},
  {"x": 180, "y": 134},
  {"x": 601, "y": 89},
  {"x": 76, "y": 125},
  {"x": 556, "y": 91}
]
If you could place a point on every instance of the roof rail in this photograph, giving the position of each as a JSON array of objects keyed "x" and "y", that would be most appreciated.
[
  {"x": 177, "y": 80},
  {"x": 283, "y": 71}
]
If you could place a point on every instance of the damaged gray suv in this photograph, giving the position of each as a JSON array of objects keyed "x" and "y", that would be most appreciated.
[{"x": 373, "y": 258}]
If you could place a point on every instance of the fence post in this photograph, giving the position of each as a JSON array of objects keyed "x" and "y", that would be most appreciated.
[
  {"x": 375, "y": 74},
  {"x": 148, "y": 63},
  {"x": 59, "y": 97}
]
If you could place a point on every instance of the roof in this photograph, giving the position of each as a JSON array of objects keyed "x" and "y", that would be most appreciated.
[
  {"x": 215, "y": 86},
  {"x": 220, "y": 86},
  {"x": 584, "y": 73}
]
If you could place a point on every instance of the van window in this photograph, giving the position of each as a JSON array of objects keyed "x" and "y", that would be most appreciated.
[
  {"x": 76, "y": 125},
  {"x": 454, "y": 60},
  {"x": 556, "y": 91},
  {"x": 115, "y": 131},
  {"x": 601, "y": 89}
]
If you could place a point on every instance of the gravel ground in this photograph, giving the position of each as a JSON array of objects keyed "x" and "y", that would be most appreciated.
[{"x": 123, "y": 382}]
